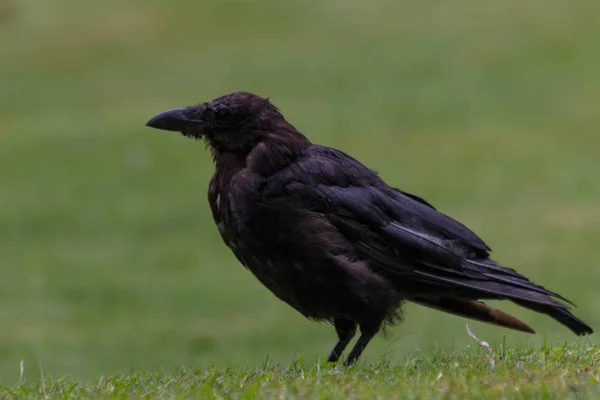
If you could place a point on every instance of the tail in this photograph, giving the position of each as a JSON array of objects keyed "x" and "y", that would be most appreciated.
[
  {"x": 484, "y": 279},
  {"x": 476, "y": 310},
  {"x": 560, "y": 314},
  {"x": 479, "y": 311}
]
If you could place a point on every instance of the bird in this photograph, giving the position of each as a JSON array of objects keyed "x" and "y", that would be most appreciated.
[{"x": 329, "y": 237}]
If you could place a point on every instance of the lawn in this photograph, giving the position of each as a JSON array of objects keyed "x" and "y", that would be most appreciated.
[
  {"x": 562, "y": 372},
  {"x": 111, "y": 264}
]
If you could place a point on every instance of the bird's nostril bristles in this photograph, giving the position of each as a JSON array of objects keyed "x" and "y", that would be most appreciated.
[{"x": 192, "y": 135}]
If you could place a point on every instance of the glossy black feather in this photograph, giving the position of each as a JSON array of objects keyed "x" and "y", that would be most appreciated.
[
  {"x": 329, "y": 237},
  {"x": 447, "y": 251}
]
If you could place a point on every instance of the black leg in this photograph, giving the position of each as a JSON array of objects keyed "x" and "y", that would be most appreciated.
[
  {"x": 361, "y": 343},
  {"x": 345, "y": 330}
]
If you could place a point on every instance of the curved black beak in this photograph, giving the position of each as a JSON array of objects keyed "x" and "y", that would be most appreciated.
[{"x": 177, "y": 120}]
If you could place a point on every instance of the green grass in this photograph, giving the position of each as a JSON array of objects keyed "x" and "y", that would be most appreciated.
[
  {"x": 564, "y": 372},
  {"x": 110, "y": 261}
]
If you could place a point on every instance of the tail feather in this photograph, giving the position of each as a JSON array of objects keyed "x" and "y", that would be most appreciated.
[
  {"x": 562, "y": 315},
  {"x": 496, "y": 272},
  {"x": 536, "y": 301},
  {"x": 532, "y": 298},
  {"x": 476, "y": 310}
]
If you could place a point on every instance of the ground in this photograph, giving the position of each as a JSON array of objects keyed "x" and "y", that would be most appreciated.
[
  {"x": 561, "y": 372},
  {"x": 110, "y": 261}
]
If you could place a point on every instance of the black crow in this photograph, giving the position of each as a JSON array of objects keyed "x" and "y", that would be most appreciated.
[{"x": 330, "y": 238}]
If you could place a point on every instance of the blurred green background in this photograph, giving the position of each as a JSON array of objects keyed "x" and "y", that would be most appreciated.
[{"x": 109, "y": 257}]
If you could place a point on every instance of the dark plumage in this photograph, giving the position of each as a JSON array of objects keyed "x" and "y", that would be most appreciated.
[{"x": 329, "y": 237}]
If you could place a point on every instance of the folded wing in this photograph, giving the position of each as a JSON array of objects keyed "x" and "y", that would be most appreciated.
[{"x": 428, "y": 255}]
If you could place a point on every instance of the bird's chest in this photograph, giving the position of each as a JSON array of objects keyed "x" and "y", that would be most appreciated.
[{"x": 236, "y": 208}]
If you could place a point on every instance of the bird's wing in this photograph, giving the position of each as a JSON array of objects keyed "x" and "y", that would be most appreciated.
[
  {"x": 414, "y": 197},
  {"x": 400, "y": 234}
]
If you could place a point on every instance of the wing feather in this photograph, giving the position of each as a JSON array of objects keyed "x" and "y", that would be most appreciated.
[{"x": 401, "y": 234}]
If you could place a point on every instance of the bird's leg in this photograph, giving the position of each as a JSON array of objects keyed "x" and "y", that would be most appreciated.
[
  {"x": 361, "y": 343},
  {"x": 345, "y": 330}
]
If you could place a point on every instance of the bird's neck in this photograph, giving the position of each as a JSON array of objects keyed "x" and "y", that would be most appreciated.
[
  {"x": 227, "y": 165},
  {"x": 276, "y": 153}
]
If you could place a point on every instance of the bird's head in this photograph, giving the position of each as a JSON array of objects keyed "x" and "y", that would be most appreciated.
[{"x": 235, "y": 122}]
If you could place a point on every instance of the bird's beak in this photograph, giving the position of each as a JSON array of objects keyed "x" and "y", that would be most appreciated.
[{"x": 177, "y": 120}]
